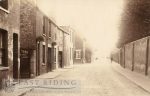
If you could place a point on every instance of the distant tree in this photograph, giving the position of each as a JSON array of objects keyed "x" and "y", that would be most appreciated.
[{"x": 135, "y": 22}]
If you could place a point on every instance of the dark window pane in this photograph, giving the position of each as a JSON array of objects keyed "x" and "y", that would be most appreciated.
[{"x": 4, "y": 4}]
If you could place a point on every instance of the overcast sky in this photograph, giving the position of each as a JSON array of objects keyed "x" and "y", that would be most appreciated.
[{"x": 97, "y": 20}]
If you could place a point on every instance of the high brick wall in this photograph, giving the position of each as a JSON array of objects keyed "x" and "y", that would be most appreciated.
[
  {"x": 140, "y": 55},
  {"x": 136, "y": 56},
  {"x": 122, "y": 57},
  {"x": 129, "y": 56}
]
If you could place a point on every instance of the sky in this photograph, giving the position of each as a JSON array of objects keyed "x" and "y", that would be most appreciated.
[{"x": 96, "y": 20}]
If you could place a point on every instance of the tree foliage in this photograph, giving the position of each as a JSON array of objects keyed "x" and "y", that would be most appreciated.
[{"x": 135, "y": 22}]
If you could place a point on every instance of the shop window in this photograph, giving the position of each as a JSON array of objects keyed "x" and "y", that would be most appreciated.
[
  {"x": 78, "y": 54},
  {"x": 4, "y": 4}
]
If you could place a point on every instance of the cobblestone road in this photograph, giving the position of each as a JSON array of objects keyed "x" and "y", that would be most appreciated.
[{"x": 97, "y": 79}]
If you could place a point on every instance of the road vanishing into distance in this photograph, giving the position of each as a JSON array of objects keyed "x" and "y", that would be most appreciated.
[{"x": 96, "y": 79}]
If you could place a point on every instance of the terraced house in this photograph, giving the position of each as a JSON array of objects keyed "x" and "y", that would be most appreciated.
[
  {"x": 31, "y": 43},
  {"x": 42, "y": 42}
]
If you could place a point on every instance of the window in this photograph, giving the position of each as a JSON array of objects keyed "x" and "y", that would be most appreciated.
[
  {"x": 44, "y": 26},
  {"x": 55, "y": 30},
  {"x": 70, "y": 36},
  {"x": 43, "y": 53},
  {"x": 55, "y": 54},
  {"x": 70, "y": 53},
  {"x": 49, "y": 29},
  {"x": 1, "y": 48},
  {"x": 4, "y": 4},
  {"x": 78, "y": 54},
  {"x": 55, "y": 36}
]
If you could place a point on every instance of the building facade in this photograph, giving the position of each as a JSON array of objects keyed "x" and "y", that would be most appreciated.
[
  {"x": 44, "y": 45},
  {"x": 31, "y": 43},
  {"x": 79, "y": 49},
  {"x": 27, "y": 37},
  {"x": 68, "y": 46},
  {"x": 9, "y": 39},
  {"x": 82, "y": 50}
]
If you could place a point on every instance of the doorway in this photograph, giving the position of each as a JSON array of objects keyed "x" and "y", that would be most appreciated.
[
  {"x": 60, "y": 59},
  {"x": 15, "y": 56},
  {"x": 38, "y": 59},
  {"x": 49, "y": 60},
  {"x": 24, "y": 63}
]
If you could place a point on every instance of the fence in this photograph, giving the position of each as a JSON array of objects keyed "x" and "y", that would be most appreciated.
[{"x": 135, "y": 56}]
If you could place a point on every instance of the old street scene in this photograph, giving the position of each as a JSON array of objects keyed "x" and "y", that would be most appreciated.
[{"x": 74, "y": 48}]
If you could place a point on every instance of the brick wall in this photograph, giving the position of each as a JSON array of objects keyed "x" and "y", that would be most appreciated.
[
  {"x": 136, "y": 56},
  {"x": 10, "y": 22},
  {"x": 128, "y": 55},
  {"x": 27, "y": 24},
  {"x": 140, "y": 55}
]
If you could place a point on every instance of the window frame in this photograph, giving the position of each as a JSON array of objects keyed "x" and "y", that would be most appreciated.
[
  {"x": 78, "y": 54},
  {"x": 4, "y": 6},
  {"x": 2, "y": 49},
  {"x": 55, "y": 60},
  {"x": 44, "y": 30},
  {"x": 50, "y": 30}
]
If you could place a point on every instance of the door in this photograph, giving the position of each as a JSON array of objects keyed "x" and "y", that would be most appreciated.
[
  {"x": 38, "y": 60},
  {"x": 15, "y": 57},
  {"x": 24, "y": 63},
  {"x": 49, "y": 60},
  {"x": 60, "y": 59}
]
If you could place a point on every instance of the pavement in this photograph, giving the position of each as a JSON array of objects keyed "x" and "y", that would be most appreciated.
[
  {"x": 15, "y": 90},
  {"x": 139, "y": 79}
]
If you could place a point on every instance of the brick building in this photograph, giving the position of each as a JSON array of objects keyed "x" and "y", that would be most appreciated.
[
  {"x": 27, "y": 37},
  {"x": 82, "y": 50},
  {"x": 43, "y": 43},
  {"x": 68, "y": 46},
  {"x": 9, "y": 39},
  {"x": 30, "y": 42}
]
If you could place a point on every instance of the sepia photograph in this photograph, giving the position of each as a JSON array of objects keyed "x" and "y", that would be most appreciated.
[{"x": 74, "y": 47}]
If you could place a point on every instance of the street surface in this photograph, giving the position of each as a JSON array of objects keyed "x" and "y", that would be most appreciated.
[{"x": 97, "y": 79}]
